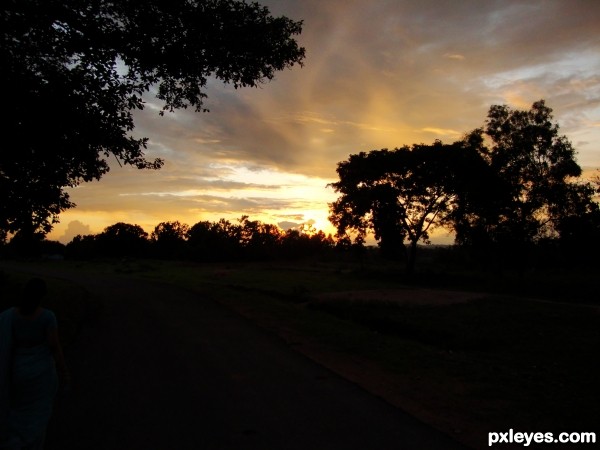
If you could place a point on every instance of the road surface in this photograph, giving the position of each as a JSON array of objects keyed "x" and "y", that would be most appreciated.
[{"x": 164, "y": 368}]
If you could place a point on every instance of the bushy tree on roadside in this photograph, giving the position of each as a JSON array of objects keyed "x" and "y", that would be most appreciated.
[
  {"x": 75, "y": 71},
  {"x": 540, "y": 195},
  {"x": 123, "y": 240},
  {"x": 205, "y": 241},
  {"x": 83, "y": 247},
  {"x": 168, "y": 239},
  {"x": 402, "y": 193},
  {"x": 297, "y": 243},
  {"x": 259, "y": 241},
  {"x": 214, "y": 241}
]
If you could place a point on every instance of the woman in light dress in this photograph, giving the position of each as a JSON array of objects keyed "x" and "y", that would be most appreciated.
[{"x": 31, "y": 361}]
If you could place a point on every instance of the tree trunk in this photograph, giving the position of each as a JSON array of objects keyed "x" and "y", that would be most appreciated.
[{"x": 412, "y": 257}]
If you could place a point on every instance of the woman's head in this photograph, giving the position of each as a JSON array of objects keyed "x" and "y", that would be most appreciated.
[{"x": 33, "y": 292}]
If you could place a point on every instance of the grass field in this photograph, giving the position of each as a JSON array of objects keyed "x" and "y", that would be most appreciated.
[
  {"x": 494, "y": 362},
  {"x": 473, "y": 359}
]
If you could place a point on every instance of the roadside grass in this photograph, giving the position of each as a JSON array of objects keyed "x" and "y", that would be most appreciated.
[
  {"x": 501, "y": 361},
  {"x": 494, "y": 363},
  {"x": 69, "y": 302},
  {"x": 536, "y": 359}
]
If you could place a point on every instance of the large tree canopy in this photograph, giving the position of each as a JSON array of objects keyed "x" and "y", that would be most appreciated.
[
  {"x": 403, "y": 193},
  {"x": 543, "y": 196},
  {"x": 74, "y": 71},
  {"x": 512, "y": 183}
]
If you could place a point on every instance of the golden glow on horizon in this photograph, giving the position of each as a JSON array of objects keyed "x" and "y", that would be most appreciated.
[
  {"x": 304, "y": 199},
  {"x": 421, "y": 74}
]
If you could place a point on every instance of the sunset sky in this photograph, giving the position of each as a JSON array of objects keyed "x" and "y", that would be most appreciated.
[{"x": 377, "y": 74}]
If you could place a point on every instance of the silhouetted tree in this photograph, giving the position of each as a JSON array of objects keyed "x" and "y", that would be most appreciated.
[
  {"x": 23, "y": 245},
  {"x": 596, "y": 181},
  {"x": 301, "y": 243},
  {"x": 483, "y": 196},
  {"x": 578, "y": 224},
  {"x": 74, "y": 72},
  {"x": 538, "y": 174},
  {"x": 403, "y": 193},
  {"x": 215, "y": 241},
  {"x": 82, "y": 247},
  {"x": 293, "y": 244},
  {"x": 169, "y": 239},
  {"x": 205, "y": 241},
  {"x": 259, "y": 240},
  {"x": 319, "y": 242},
  {"x": 201, "y": 242},
  {"x": 123, "y": 240}
]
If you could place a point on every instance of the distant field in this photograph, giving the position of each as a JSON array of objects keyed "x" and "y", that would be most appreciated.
[{"x": 465, "y": 360}]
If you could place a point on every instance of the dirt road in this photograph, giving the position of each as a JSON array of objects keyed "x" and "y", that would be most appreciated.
[{"x": 163, "y": 368}]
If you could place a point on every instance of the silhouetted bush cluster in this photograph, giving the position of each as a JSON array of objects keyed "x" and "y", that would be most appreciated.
[
  {"x": 31, "y": 247},
  {"x": 248, "y": 240},
  {"x": 205, "y": 241}
]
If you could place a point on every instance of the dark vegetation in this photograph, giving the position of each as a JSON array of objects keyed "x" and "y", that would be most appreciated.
[
  {"x": 511, "y": 189},
  {"x": 205, "y": 241},
  {"x": 512, "y": 360},
  {"x": 75, "y": 72},
  {"x": 511, "y": 192}
]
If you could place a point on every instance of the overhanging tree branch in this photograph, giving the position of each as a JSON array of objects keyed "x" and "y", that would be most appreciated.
[{"x": 75, "y": 71}]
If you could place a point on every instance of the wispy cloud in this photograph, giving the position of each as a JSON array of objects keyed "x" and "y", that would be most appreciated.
[
  {"x": 426, "y": 70},
  {"x": 442, "y": 132},
  {"x": 455, "y": 56}
]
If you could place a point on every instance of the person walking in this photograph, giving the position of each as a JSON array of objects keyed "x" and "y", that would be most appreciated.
[{"x": 31, "y": 361}]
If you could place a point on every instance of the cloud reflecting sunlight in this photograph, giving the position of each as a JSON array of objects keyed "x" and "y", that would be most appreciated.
[{"x": 377, "y": 74}]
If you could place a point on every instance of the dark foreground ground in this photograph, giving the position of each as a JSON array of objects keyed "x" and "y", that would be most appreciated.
[{"x": 163, "y": 368}]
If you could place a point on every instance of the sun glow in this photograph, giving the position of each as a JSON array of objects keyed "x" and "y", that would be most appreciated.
[
  {"x": 270, "y": 153},
  {"x": 261, "y": 193}
]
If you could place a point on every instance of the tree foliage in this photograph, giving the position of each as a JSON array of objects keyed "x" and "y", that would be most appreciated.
[
  {"x": 538, "y": 175},
  {"x": 508, "y": 185},
  {"x": 205, "y": 241},
  {"x": 401, "y": 194},
  {"x": 168, "y": 239},
  {"x": 123, "y": 240},
  {"x": 75, "y": 71}
]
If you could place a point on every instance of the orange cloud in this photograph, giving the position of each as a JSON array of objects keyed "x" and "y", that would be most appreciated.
[{"x": 377, "y": 74}]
